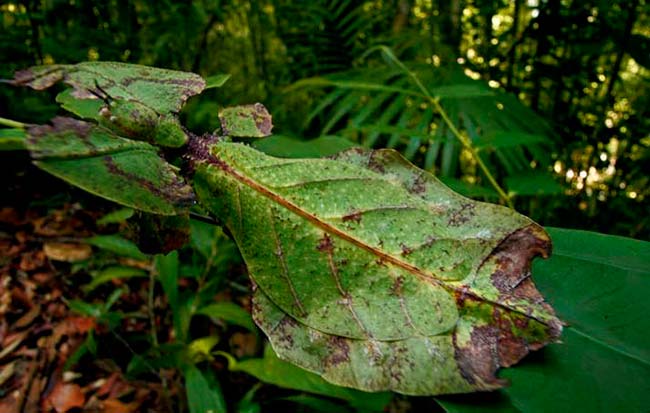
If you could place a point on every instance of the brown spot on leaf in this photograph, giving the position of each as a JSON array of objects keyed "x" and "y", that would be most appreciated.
[
  {"x": 396, "y": 288},
  {"x": 59, "y": 125},
  {"x": 38, "y": 78},
  {"x": 285, "y": 330},
  {"x": 418, "y": 186},
  {"x": 510, "y": 348},
  {"x": 513, "y": 257},
  {"x": 339, "y": 351},
  {"x": 375, "y": 162},
  {"x": 355, "y": 216},
  {"x": 461, "y": 215},
  {"x": 176, "y": 191},
  {"x": 263, "y": 119},
  {"x": 405, "y": 249},
  {"x": 325, "y": 244},
  {"x": 479, "y": 360}
]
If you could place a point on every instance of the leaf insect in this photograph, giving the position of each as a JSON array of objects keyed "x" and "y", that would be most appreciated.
[{"x": 136, "y": 120}]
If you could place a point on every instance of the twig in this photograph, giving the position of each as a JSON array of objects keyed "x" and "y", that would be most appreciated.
[
  {"x": 152, "y": 315},
  {"x": 13, "y": 123}
]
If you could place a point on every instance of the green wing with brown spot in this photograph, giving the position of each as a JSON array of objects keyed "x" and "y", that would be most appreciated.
[
  {"x": 128, "y": 172},
  {"x": 373, "y": 274},
  {"x": 137, "y": 102}
]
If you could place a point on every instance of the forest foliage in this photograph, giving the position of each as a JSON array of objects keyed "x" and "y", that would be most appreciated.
[{"x": 506, "y": 102}]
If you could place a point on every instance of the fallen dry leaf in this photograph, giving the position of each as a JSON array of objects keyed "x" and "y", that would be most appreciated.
[
  {"x": 32, "y": 261},
  {"x": 67, "y": 252},
  {"x": 116, "y": 406},
  {"x": 243, "y": 344},
  {"x": 27, "y": 318},
  {"x": 65, "y": 396}
]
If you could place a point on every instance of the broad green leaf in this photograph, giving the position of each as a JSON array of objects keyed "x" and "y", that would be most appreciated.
[
  {"x": 317, "y": 404},
  {"x": 182, "y": 305},
  {"x": 229, "y": 312},
  {"x": 286, "y": 147},
  {"x": 271, "y": 369},
  {"x": 113, "y": 273},
  {"x": 167, "y": 268},
  {"x": 349, "y": 84},
  {"x": 246, "y": 121},
  {"x": 534, "y": 182},
  {"x": 205, "y": 237},
  {"x": 162, "y": 90},
  {"x": 469, "y": 190},
  {"x": 641, "y": 50},
  {"x": 373, "y": 274},
  {"x": 12, "y": 140},
  {"x": 160, "y": 234},
  {"x": 84, "y": 108},
  {"x": 91, "y": 157},
  {"x": 203, "y": 396},
  {"x": 216, "y": 81},
  {"x": 508, "y": 139},
  {"x": 136, "y": 101},
  {"x": 199, "y": 349},
  {"x": 599, "y": 284},
  {"x": 116, "y": 217},
  {"x": 116, "y": 244}
]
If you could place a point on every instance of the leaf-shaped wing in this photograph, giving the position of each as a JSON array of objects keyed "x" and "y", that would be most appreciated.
[
  {"x": 247, "y": 121},
  {"x": 128, "y": 172},
  {"x": 370, "y": 269},
  {"x": 164, "y": 91}
]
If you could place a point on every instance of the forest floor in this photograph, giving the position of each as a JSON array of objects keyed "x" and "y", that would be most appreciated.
[{"x": 54, "y": 331}]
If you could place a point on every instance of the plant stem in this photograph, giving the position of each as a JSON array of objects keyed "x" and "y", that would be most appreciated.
[
  {"x": 13, "y": 123},
  {"x": 150, "y": 304},
  {"x": 468, "y": 145},
  {"x": 445, "y": 117}
]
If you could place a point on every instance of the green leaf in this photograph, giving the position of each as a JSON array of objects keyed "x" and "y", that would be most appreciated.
[
  {"x": 182, "y": 305},
  {"x": 204, "y": 237},
  {"x": 113, "y": 273},
  {"x": 136, "y": 101},
  {"x": 317, "y": 404},
  {"x": 84, "y": 108},
  {"x": 164, "y": 91},
  {"x": 599, "y": 284},
  {"x": 533, "y": 182},
  {"x": 160, "y": 234},
  {"x": 116, "y": 217},
  {"x": 469, "y": 190},
  {"x": 505, "y": 139},
  {"x": 350, "y": 84},
  {"x": 288, "y": 147},
  {"x": 474, "y": 89},
  {"x": 246, "y": 121},
  {"x": 199, "y": 349},
  {"x": 167, "y": 268},
  {"x": 202, "y": 397},
  {"x": 641, "y": 50},
  {"x": 12, "y": 140},
  {"x": 373, "y": 274},
  {"x": 91, "y": 157},
  {"x": 271, "y": 369},
  {"x": 116, "y": 244},
  {"x": 229, "y": 312},
  {"x": 216, "y": 81}
]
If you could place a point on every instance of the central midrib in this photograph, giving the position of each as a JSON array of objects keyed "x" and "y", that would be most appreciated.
[{"x": 261, "y": 189}]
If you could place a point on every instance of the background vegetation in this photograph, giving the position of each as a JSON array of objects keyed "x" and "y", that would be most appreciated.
[
  {"x": 553, "y": 96},
  {"x": 581, "y": 66}
]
